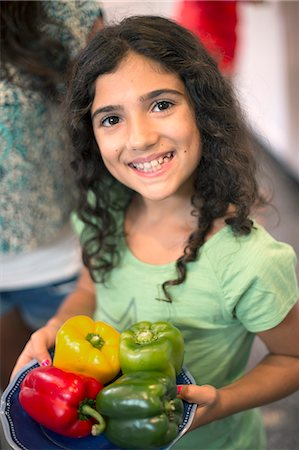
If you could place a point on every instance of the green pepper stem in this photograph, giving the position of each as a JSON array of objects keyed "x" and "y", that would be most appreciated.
[
  {"x": 169, "y": 409},
  {"x": 96, "y": 340},
  {"x": 144, "y": 337},
  {"x": 99, "y": 427}
]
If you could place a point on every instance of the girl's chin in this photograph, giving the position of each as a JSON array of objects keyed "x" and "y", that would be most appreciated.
[{"x": 155, "y": 196}]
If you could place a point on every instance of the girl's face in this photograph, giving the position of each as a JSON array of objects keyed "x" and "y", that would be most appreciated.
[{"x": 145, "y": 127}]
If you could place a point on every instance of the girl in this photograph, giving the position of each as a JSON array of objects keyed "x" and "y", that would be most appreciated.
[{"x": 167, "y": 185}]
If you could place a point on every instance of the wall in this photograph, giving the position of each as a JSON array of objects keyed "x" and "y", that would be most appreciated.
[
  {"x": 267, "y": 76},
  {"x": 116, "y": 9}
]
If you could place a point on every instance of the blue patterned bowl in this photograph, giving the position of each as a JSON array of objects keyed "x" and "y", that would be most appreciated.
[{"x": 22, "y": 432}]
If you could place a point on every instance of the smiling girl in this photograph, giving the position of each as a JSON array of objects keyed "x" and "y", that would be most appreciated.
[{"x": 167, "y": 190}]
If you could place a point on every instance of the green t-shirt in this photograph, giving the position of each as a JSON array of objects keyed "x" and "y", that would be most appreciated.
[{"x": 237, "y": 287}]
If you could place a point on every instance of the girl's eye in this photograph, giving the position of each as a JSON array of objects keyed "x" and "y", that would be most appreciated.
[
  {"x": 110, "y": 121},
  {"x": 162, "y": 105}
]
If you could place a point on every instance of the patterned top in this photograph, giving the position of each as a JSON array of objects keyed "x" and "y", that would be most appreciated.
[{"x": 36, "y": 182}]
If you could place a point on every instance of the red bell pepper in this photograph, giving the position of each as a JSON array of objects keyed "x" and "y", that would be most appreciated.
[{"x": 62, "y": 401}]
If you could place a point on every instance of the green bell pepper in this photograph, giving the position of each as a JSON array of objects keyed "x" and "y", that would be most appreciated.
[
  {"x": 155, "y": 346},
  {"x": 141, "y": 409}
]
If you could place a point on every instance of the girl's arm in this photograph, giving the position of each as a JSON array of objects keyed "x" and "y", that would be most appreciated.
[
  {"x": 81, "y": 301},
  {"x": 275, "y": 377}
]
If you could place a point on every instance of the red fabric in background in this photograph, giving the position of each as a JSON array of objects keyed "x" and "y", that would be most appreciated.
[{"x": 214, "y": 22}]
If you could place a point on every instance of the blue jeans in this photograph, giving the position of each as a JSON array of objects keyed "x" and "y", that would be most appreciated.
[{"x": 37, "y": 305}]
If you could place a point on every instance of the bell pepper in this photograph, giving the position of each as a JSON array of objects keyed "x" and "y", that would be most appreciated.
[
  {"x": 141, "y": 410},
  {"x": 61, "y": 401},
  {"x": 155, "y": 346},
  {"x": 88, "y": 347}
]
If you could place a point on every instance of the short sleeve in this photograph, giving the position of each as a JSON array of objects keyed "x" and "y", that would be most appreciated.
[
  {"x": 272, "y": 293},
  {"x": 77, "y": 224},
  {"x": 257, "y": 275}
]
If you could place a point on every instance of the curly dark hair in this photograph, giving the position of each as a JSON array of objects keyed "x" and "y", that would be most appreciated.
[
  {"x": 26, "y": 46},
  {"x": 226, "y": 173}
]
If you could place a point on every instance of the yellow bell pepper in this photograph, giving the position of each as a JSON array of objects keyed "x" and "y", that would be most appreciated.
[{"x": 89, "y": 348}]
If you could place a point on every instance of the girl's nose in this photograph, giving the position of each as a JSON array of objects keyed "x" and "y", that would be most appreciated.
[{"x": 141, "y": 135}]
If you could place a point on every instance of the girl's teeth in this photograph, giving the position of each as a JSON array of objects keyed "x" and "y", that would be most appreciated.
[{"x": 155, "y": 164}]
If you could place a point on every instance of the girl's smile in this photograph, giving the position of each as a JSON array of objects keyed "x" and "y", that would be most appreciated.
[
  {"x": 153, "y": 164},
  {"x": 145, "y": 127}
]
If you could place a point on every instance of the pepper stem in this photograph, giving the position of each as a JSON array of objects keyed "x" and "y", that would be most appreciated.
[
  {"x": 144, "y": 337},
  {"x": 96, "y": 340},
  {"x": 170, "y": 409},
  {"x": 99, "y": 427}
]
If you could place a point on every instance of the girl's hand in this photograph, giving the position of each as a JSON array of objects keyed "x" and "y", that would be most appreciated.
[
  {"x": 37, "y": 347},
  {"x": 207, "y": 399},
  {"x": 81, "y": 301}
]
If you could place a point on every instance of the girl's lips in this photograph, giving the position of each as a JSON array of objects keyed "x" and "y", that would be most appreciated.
[{"x": 150, "y": 164}]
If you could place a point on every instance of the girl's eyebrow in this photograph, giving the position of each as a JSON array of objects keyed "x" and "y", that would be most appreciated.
[
  {"x": 106, "y": 109},
  {"x": 153, "y": 94},
  {"x": 149, "y": 96}
]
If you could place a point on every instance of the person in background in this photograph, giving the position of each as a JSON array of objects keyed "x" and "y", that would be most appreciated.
[
  {"x": 39, "y": 253},
  {"x": 167, "y": 196}
]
